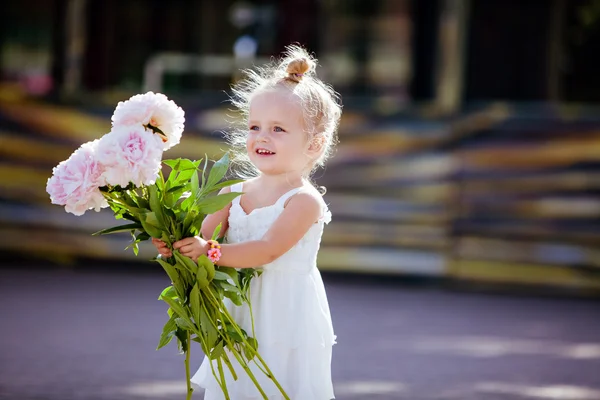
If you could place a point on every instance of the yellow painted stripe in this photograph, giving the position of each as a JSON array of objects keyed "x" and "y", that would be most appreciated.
[
  {"x": 558, "y": 152},
  {"x": 24, "y": 148},
  {"x": 57, "y": 244},
  {"x": 503, "y": 272},
  {"x": 22, "y": 183}
]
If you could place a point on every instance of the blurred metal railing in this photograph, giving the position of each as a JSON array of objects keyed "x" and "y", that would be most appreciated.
[
  {"x": 206, "y": 65},
  {"x": 506, "y": 194}
]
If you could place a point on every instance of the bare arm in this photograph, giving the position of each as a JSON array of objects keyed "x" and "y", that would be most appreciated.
[
  {"x": 296, "y": 219},
  {"x": 211, "y": 221}
]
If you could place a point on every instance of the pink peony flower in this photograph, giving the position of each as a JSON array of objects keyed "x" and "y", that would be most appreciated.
[
  {"x": 75, "y": 181},
  {"x": 152, "y": 109},
  {"x": 130, "y": 154}
]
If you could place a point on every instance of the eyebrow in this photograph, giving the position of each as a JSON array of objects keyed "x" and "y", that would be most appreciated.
[{"x": 272, "y": 122}]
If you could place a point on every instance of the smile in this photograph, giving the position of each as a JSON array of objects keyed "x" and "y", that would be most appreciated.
[{"x": 264, "y": 152}]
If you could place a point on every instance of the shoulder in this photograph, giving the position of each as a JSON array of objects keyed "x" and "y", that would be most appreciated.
[
  {"x": 308, "y": 201},
  {"x": 232, "y": 188}
]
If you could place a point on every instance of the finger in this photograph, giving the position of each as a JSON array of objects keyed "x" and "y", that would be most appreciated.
[
  {"x": 183, "y": 242},
  {"x": 186, "y": 250}
]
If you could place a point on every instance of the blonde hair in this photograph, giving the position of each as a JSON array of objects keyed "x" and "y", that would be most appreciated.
[{"x": 319, "y": 103}]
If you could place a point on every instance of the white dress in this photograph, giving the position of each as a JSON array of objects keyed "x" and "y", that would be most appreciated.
[{"x": 291, "y": 315}]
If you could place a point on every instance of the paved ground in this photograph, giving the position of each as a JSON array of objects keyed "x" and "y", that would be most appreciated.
[{"x": 91, "y": 335}]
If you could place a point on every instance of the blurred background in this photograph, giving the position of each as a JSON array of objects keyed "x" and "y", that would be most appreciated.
[{"x": 469, "y": 157}]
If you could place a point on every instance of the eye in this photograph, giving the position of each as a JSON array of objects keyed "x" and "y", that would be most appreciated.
[
  {"x": 278, "y": 129},
  {"x": 254, "y": 128}
]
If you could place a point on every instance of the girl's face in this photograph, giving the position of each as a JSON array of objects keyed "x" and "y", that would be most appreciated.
[{"x": 277, "y": 140}]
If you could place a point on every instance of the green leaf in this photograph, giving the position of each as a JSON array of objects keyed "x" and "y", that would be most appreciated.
[
  {"x": 235, "y": 298},
  {"x": 151, "y": 225},
  {"x": 174, "y": 164},
  {"x": 210, "y": 205},
  {"x": 204, "y": 173},
  {"x": 232, "y": 272},
  {"x": 140, "y": 201},
  {"x": 217, "y": 231},
  {"x": 234, "y": 334},
  {"x": 221, "y": 185},
  {"x": 134, "y": 246},
  {"x": 156, "y": 206},
  {"x": 167, "y": 333},
  {"x": 187, "y": 262},
  {"x": 202, "y": 278},
  {"x": 120, "y": 228},
  {"x": 217, "y": 351},
  {"x": 169, "y": 291},
  {"x": 174, "y": 276},
  {"x": 229, "y": 287},
  {"x": 252, "y": 345},
  {"x": 176, "y": 188},
  {"x": 196, "y": 225},
  {"x": 205, "y": 263},
  {"x": 184, "y": 176},
  {"x": 183, "y": 342},
  {"x": 177, "y": 308},
  {"x": 218, "y": 171},
  {"x": 187, "y": 164},
  {"x": 197, "y": 339},
  {"x": 185, "y": 324},
  {"x": 142, "y": 236},
  {"x": 187, "y": 202},
  {"x": 221, "y": 276},
  {"x": 160, "y": 181},
  {"x": 187, "y": 222},
  {"x": 195, "y": 303},
  {"x": 195, "y": 184},
  {"x": 207, "y": 328}
]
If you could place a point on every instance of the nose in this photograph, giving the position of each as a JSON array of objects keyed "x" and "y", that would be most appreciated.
[{"x": 262, "y": 136}]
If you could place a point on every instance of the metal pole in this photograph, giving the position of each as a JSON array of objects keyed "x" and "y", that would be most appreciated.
[
  {"x": 452, "y": 30},
  {"x": 75, "y": 38}
]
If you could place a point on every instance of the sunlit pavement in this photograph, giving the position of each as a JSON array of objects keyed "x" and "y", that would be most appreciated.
[{"x": 92, "y": 335}]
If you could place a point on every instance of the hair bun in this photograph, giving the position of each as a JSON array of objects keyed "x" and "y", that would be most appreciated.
[{"x": 297, "y": 68}]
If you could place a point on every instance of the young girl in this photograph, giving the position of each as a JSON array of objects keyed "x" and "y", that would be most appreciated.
[{"x": 276, "y": 225}]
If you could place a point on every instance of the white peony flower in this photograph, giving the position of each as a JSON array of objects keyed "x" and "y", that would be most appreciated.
[
  {"x": 152, "y": 110},
  {"x": 130, "y": 153},
  {"x": 75, "y": 182}
]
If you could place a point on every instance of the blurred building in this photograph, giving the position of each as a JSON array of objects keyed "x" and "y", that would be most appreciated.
[
  {"x": 470, "y": 144},
  {"x": 407, "y": 50}
]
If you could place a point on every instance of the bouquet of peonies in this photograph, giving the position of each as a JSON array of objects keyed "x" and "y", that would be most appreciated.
[{"x": 123, "y": 171}]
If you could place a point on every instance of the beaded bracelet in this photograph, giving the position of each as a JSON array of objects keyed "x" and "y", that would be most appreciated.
[{"x": 214, "y": 253}]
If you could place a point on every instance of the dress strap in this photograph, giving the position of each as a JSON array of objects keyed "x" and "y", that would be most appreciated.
[
  {"x": 287, "y": 195},
  {"x": 237, "y": 187}
]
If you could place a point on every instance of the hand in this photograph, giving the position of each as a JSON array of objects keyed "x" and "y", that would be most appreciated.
[
  {"x": 192, "y": 247},
  {"x": 162, "y": 247}
]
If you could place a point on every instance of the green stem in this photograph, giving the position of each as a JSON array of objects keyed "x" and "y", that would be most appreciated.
[
  {"x": 247, "y": 298},
  {"x": 222, "y": 383},
  {"x": 236, "y": 354},
  {"x": 187, "y": 368},
  {"x": 214, "y": 324},
  {"x": 244, "y": 365},
  {"x": 222, "y": 375},
  {"x": 235, "y": 326}
]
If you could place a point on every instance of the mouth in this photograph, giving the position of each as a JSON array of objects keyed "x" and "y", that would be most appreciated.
[{"x": 264, "y": 152}]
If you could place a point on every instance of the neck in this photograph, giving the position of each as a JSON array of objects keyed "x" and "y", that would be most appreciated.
[{"x": 281, "y": 181}]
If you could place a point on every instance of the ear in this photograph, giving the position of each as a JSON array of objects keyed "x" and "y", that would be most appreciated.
[{"x": 317, "y": 144}]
